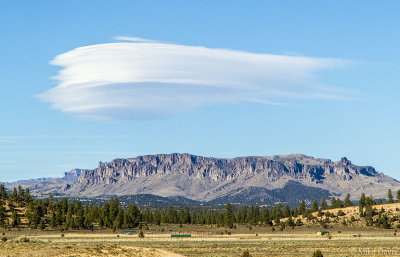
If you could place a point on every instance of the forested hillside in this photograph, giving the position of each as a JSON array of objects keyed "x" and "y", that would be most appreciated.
[{"x": 19, "y": 210}]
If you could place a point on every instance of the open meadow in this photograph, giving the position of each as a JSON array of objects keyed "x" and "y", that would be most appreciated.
[{"x": 204, "y": 241}]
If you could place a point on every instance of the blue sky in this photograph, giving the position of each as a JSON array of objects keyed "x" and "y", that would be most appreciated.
[{"x": 323, "y": 81}]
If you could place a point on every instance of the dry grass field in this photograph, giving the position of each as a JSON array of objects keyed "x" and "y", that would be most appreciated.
[
  {"x": 260, "y": 241},
  {"x": 354, "y": 239}
]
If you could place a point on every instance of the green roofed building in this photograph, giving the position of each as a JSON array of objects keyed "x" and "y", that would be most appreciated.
[{"x": 181, "y": 235}]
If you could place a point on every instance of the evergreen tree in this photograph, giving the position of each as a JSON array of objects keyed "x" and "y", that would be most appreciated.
[
  {"x": 42, "y": 225},
  {"x": 53, "y": 220},
  {"x": 229, "y": 218},
  {"x": 389, "y": 196},
  {"x": 257, "y": 214},
  {"x": 14, "y": 195},
  {"x": 15, "y": 219},
  {"x": 119, "y": 219},
  {"x": 251, "y": 218},
  {"x": 347, "y": 201},
  {"x": 171, "y": 215},
  {"x": 20, "y": 194},
  {"x": 361, "y": 204},
  {"x": 277, "y": 213},
  {"x": 290, "y": 222},
  {"x": 27, "y": 197},
  {"x": 185, "y": 217},
  {"x": 242, "y": 215},
  {"x": 3, "y": 216},
  {"x": 287, "y": 212},
  {"x": 114, "y": 208},
  {"x": 3, "y": 193},
  {"x": 324, "y": 204},
  {"x": 369, "y": 201},
  {"x": 398, "y": 195},
  {"x": 266, "y": 217},
  {"x": 302, "y": 207},
  {"x": 132, "y": 217},
  {"x": 314, "y": 207}
]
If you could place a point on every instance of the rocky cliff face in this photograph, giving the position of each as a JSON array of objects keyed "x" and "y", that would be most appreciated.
[
  {"x": 206, "y": 179},
  {"x": 221, "y": 170}
]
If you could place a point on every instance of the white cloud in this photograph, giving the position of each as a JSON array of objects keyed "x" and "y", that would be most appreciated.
[{"x": 140, "y": 78}]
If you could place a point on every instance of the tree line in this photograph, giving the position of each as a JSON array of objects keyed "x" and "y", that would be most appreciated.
[{"x": 65, "y": 215}]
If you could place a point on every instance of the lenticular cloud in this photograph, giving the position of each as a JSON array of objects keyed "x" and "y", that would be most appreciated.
[{"x": 137, "y": 78}]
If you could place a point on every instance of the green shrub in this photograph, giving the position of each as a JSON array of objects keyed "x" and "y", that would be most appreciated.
[
  {"x": 22, "y": 239},
  {"x": 317, "y": 253},
  {"x": 4, "y": 239},
  {"x": 246, "y": 254},
  {"x": 340, "y": 213},
  {"x": 141, "y": 234}
]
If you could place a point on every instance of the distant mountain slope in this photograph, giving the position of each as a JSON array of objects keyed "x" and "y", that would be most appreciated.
[
  {"x": 48, "y": 185},
  {"x": 286, "y": 178}
]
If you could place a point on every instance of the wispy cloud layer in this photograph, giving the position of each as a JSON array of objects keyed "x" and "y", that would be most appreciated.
[{"x": 139, "y": 78}]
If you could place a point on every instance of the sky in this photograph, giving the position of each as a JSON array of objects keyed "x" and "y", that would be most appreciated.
[{"x": 89, "y": 81}]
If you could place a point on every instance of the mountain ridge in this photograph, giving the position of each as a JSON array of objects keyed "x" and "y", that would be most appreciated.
[{"x": 208, "y": 179}]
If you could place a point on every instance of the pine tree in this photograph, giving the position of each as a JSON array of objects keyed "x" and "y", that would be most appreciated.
[
  {"x": 242, "y": 215},
  {"x": 15, "y": 219},
  {"x": 251, "y": 218},
  {"x": 398, "y": 195},
  {"x": 362, "y": 200},
  {"x": 389, "y": 196},
  {"x": 27, "y": 197},
  {"x": 257, "y": 215},
  {"x": 347, "y": 201},
  {"x": 20, "y": 194},
  {"x": 42, "y": 225},
  {"x": 171, "y": 215},
  {"x": 266, "y": 217},
  {"x": 286, "y": 211},
  {"x": 290, "y": 222},
  {"x": 302, "y": 207},
  {"x": 14, "y": 195},
  {"x": 314, "y": 205},
  {"x": 53, "y": 220},
  {"x": 119, "y": 219},
  {"x": 185, "y": 217},
  {"x": 114, "y": 208},
  {"x": 3, "y": 216},
  {"x": 324, "y": 204},
  {"x": 229, "y": 218},
  {"x": 3, "y": 193},
  {"x": 361, "y": 203},
  {"x": 369, "y": 201}
]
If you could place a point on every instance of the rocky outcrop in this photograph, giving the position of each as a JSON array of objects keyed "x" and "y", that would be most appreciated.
[{"x": 206, "y": 179}]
